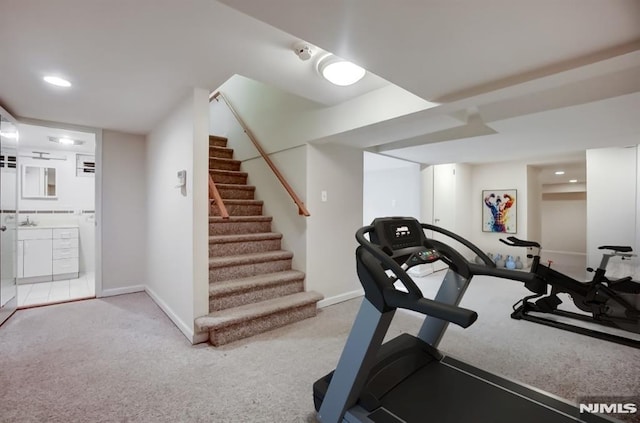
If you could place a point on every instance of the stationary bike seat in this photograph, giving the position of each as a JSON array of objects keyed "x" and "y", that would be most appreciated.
[{"x": 617, "y": 248}]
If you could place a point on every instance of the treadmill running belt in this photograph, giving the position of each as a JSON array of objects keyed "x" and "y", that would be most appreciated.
[{"x": 444, "y": 394}]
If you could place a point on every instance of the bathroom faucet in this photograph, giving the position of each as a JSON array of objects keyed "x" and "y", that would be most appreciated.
[{"x": 27, "y": 222}]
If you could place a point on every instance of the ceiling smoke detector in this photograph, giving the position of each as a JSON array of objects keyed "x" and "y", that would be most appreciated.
[{"x": 303, "y": 50}]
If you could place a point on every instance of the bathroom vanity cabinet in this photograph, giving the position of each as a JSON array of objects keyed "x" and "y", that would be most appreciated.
[{"x": 47, "y": 253}]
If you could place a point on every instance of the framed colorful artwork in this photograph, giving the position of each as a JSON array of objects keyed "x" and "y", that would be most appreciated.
[{"x": 499, "y": 211}]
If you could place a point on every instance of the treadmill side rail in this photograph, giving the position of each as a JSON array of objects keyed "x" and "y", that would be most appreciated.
[
  {"x": 357, "y": 358},
  {"x": 451, "y": 292}
]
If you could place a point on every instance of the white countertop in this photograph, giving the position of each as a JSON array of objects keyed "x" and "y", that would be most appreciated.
[{"x": 47, "y": 227}]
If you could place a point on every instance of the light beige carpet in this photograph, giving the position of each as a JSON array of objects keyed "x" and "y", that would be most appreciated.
[{"x": 120, "y": 359}]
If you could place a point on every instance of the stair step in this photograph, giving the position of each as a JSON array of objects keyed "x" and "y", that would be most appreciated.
[
  {"x": 224, "y": 164},
  {"x": 228, "y": 177},
  {"x": 239, "y": 225},
  {"x": 245, "y": 265},
  {"x": 238, "y": 208},
  {"x": 247, "y": 320},
  {"x": 237, "y": 292},
  {"x": 217, "y": 141},
  {"x": 236, "y": 192},
  {"x": 220, "y": 152},
  {"x": 229, "y": 245}
]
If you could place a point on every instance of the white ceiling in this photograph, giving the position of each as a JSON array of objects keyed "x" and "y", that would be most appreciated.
[{"x": 515, "y": 80}]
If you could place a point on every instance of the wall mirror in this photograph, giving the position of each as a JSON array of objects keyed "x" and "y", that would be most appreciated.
[{"x": 38, "y": 182}]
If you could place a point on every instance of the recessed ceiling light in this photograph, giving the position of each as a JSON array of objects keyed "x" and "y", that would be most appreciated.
[
  {"x": 573, "y": 181},
  {"x": 57, "y": 81},
  {"x": 560, "y": 172},
  {"x": 340, "y": 72}
]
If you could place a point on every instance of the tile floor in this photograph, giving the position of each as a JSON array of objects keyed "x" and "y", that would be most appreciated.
[{"x": 56, "y": 291}]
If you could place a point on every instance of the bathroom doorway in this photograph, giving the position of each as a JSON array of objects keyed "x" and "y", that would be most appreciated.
[{"x": 56, "y": 230}]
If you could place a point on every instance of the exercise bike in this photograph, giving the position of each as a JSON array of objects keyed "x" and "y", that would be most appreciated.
[{"x": 612, "y": 303}]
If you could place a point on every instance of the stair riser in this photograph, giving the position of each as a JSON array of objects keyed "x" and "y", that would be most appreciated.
[
  {"x": 223, "y": 164},
  {"x": 217, "y": 142},
  {"x": 237, "y": 248},
  {"x": 221, "y": 154},
  {"x": 246, "y": 270},
  {"x": 229, "y": 179},
  {"x": 237, "y": 210},
  {"x": 230, "y": 228},
  {"x": 229, "y": 334},
  {"x": 236, "y": 194},
  {"x": 255, "y": 295}
]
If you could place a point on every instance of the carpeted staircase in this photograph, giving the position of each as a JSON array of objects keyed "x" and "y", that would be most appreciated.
[{"x": 252, "y": 287}]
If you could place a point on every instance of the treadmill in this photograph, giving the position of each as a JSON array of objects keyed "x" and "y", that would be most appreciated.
[{"x": 408, "y": 379}]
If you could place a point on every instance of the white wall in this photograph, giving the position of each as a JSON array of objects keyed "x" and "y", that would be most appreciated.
[
  {"x": 534, "y": 199},
  {"x": 498, "y": 176},
  {"x": 72, "y": 192},
  {"x": 612, "y": 199},
  {"x": 177, "y": 219},
  {"x": 124, "y": 213},
  {"x": 281, "y": 120},
  {"x": 331, "y": 244},
  {"x": 564, "y": 222},
  {"x": 391, "y": 187},
  {"x": 74, "y": 203},
  {"x": 278, "y": 204}
]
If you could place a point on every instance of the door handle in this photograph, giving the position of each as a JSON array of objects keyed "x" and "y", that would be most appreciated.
[{"x": 3, "y": 228}]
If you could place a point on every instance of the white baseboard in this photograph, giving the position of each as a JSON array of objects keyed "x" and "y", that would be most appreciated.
[
  {"x": 121, "y": 291},
  {"x": 340, "y": 298},
  {"x": 186, "y": 330},
  {"x": 199, "y": 338}
]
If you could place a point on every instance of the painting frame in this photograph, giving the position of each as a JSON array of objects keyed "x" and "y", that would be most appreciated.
[{"x": 500, "y": 211}]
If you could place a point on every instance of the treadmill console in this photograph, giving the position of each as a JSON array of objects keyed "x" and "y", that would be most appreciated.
[{"x": 397, "y": 233}]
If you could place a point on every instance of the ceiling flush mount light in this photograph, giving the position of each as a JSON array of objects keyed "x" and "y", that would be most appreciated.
[
  {"x": 339, "y": 71},
  {"x": 65, "y": 141},
  {"x": 57, "y": 81},
  {"x": 560, "y": 172},
  {"x": 573, "y": 181}
]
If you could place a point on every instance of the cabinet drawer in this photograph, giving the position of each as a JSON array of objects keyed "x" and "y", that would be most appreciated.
[
  {"x": 68, "y": 265},
  {"x": 65, "y": 253},
  {"x": 34, "y": 234},
  {"x": 62, "y": 243},
  {"x": 65, "y": 233}
]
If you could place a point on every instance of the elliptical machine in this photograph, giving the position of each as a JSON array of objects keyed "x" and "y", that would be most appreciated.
[
  {"x": 612, "y": 303},
  {"x": 407, "y": 379}
]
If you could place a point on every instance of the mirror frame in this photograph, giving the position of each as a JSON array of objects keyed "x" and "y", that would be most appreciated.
[{"x": 44, "y": 196}]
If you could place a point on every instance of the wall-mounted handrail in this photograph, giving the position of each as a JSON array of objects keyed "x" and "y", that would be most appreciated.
[
  {"x": 302, "y": 210},
  {"x": 215, "y": 194}
]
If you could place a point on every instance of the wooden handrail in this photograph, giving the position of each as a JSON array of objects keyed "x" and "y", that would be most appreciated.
[
  {"x": 302, "y": 210},
  {"x": 215, "y": 194}
]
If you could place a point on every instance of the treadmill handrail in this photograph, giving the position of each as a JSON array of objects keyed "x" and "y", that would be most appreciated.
[
  {"x": 485, "y": 258},
  {"x": 460, "y": 316},
  {"x": 412, "y": 299}
]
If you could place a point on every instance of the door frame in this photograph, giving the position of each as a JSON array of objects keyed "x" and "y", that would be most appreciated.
[
  {"x": 98, "y": 188},
  {"x": 12, "y": 305}
]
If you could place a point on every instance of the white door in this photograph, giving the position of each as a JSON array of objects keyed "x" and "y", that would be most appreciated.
[
  {"x": 444, "y": 204},
  {"x": 8, "y": 208}
]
